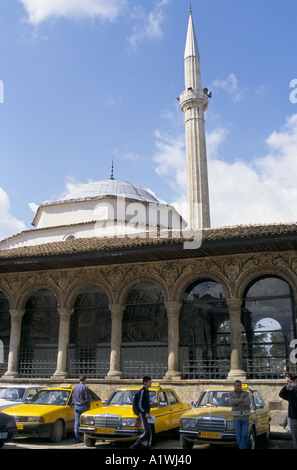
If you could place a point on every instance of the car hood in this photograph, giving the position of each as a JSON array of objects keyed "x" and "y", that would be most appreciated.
[
  {"x": 6, "y": 403},
  {"x": 207, "y": 411},
  {"x": 123, "y": 411},
  {"x": 31, "y": 410}
]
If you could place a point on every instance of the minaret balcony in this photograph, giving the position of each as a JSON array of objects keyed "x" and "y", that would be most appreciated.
[{"x": 191, "y": 98}]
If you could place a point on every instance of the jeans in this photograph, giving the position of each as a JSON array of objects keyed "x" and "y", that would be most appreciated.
[
  {"x": 78, "y": 410},
  {"x": 241, "y": 428},
  {"x": 293, "y": 427}
]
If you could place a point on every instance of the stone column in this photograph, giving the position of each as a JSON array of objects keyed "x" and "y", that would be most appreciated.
[
  {"x": 173, "y": 309},
  {"x": 236, "y": 371},
  {"x": 64, "y": 331},
  {"x": 14, "y": 345},
  {"x": 117, "y": 311}
]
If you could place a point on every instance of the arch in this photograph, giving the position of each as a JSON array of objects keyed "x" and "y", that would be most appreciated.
[
  {"x": 144, "y": 331},
  {"x": 256, "y": 272},
  {"x": 90, "y": 332},
  {"x": 268, "y": 298},
  {"x": 185, "y": 281},
  {"x": 33, "y": 286},
  {"x": 204, "y": 310},
  {"x": 77, "y": 287},
  {"x": 5, "y": 319},
  {"x": 122, "y": 295}
]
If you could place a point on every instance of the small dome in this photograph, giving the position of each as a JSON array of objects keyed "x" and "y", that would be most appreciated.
[{"x": 110, "y": 187}]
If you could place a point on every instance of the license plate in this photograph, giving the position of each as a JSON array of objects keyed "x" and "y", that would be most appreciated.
[
  {"x": 210, "y": 435},
  {"x": 20, "y": 426},
  {"x": 104, "y": 431},
  {"x": 3, "y": 435}
]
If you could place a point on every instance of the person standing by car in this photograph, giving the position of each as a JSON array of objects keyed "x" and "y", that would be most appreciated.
[
  {"x": 240, "y": 402},
  {"x": 289, "y": 393},
  {"x": 144, "y": 413},
  {"x": 81, "y": 400}
]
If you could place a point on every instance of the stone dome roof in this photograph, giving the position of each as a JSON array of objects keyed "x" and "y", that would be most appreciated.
[{"x": 110, "y": 187}]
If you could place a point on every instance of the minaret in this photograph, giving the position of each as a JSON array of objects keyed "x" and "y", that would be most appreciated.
[{"x": 194, "y": 102}]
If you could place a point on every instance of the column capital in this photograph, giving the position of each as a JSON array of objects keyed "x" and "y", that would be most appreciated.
[
  {"x": 16, "y": 314},
  {"x": 173, "y": 308},
  {"x": 65, "y": 313},
  {"x": 234, "y": 303}
]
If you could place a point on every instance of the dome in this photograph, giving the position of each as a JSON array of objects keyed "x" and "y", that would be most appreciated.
[{"x": 110, "y": 187}]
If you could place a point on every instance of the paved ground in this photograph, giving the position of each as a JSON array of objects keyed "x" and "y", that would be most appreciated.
[{"x": 280, "y": 439}]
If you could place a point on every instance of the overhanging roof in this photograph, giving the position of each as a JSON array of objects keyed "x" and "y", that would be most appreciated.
[{"x": 104, "y": 251}]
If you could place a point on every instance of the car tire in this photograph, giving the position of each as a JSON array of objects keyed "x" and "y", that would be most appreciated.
[
  {"x": 252, "y": 438},
  {"x": 57, "y": 432},
  {"x": 88, "y": 441},
  {"x": 185, "y": 443}
]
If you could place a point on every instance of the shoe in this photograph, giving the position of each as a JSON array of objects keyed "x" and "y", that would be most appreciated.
[{"x": 77, "y": 441}]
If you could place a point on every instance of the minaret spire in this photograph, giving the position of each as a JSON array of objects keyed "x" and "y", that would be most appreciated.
[{"x": 194, "y": 102}]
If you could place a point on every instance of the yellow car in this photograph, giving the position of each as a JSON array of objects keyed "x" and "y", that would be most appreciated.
[
  {"x": 210, "y": 420},
  {"x": 49, "y": 413},
  {"x": 116, "y": 420}
]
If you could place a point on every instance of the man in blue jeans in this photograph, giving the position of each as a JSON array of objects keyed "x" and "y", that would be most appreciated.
[
  {"x": 240, "y": 402},
  {"x": 81, "y": 400}
]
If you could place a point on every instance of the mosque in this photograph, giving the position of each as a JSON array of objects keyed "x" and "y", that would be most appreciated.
[{"x": 112, "y": 283}]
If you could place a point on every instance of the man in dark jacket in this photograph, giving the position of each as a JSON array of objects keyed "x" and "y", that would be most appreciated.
[
  {"x": 81, "y": 400},
  {"x": 144, "y": 413},
  {"x": 289, "y": 393}
]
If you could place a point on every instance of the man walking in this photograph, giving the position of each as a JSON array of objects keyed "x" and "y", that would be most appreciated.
[
  {"x": 81, "y": 400},
  {"x": 289, "y": 393},
  {"x": 144, "y": 413}
]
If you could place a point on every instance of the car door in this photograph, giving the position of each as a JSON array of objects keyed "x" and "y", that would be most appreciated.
[
  {"x": 262, "y": 414},
  {"x": 95, "y": 401},
  {"x": 175, "y": 409}
]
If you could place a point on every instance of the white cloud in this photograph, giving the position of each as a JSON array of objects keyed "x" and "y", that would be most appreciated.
[
  {"x": 230, "y": 85},
  {"x": 263, "y": 190},
  {"x": 41, "y": 10},
  {"x": 9, "y": 225},
  {"x": 147, "y": 24}
]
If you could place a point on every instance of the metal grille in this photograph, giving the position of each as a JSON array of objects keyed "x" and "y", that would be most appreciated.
[
  {"x": 211, "y": 424},
  {"x": 107, "y": 421}
]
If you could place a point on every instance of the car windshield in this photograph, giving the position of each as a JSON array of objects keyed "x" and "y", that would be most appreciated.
[
  {"x": 51, "y": 397},
  {"x": 12, "y": 393},
  {"x": 125, "y": 397},
  {"x": 214, "y": 398}
]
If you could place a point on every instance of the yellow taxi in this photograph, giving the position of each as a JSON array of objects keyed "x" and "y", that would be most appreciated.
[
  {"x": 117, "y": 421},
  {"x": 49, "y": 413},
  {"x": 210, "y": 420}
]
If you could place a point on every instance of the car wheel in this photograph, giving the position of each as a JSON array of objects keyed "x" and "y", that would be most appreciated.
[
  {"x": 57, "y": 431},
  {"x": 88, "y": 441},
  {"x": 252, "y": 438},
  {"x": 185, "y": 443}
]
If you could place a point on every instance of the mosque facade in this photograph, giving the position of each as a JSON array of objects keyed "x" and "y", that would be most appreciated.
[{"x": 114, "y": 284}]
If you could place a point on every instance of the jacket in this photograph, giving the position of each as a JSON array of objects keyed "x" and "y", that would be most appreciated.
[
  {"x": 144, "y": 401},
  {"x": 240, "y": 404},
  {"x": 291, "y": 396}
]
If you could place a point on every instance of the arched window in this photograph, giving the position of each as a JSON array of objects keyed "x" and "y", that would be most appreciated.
[
  {"x": 204, "y": 331},
  {"x": 39, "y": 335},
  {"x": 269, "y": 319},
  {"x": 144, "y": 332},
  {"x": 90, "y": 334}
]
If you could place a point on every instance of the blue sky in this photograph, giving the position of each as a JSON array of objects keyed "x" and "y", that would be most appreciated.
[{"x": 85, "y": 83}]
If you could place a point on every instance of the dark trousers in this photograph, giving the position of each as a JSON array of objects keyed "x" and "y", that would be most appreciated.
[{"x": 144, "y": 439}]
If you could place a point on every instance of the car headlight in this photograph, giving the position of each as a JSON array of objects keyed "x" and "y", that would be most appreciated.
[
  {"x": 35, "y": 419},
  {"x": 87, "y": 420},
  {"x": 188, "y": 423},
  {"x": 229, "y": 426},
  {"x": 129, "y": 422}
]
